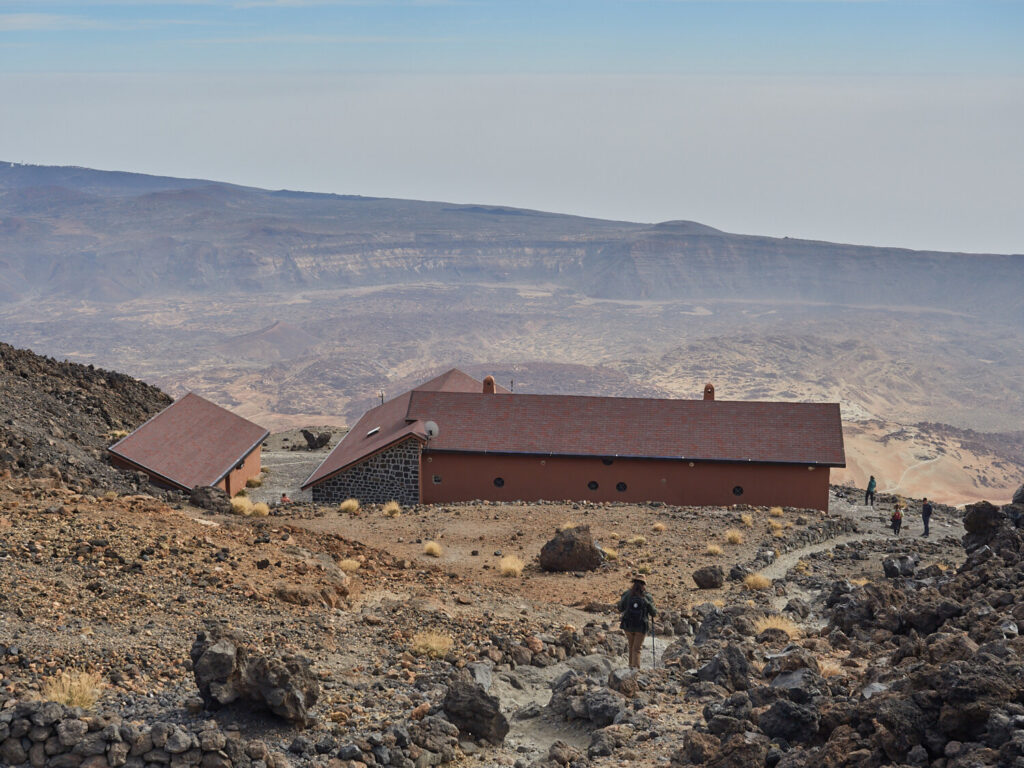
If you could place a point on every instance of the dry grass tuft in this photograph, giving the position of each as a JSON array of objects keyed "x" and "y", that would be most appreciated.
[
  {"x": 748, "y": 520},
  {"x": 830, "y": 668},
  {"x": 432, "y": 548},
  {"x": 636, "y": 541},
  {"x": 613, "y": 535},
  {"x": 714, "y": 549},
  {"x": 432, "y": 644},
  {"x": 241, "y": 492},
  {"x": 775, "y": 512},
  {"x": 568, "y": 525},
  {"x": 260, "y": 509},
  {"x": 774, "y": 525},
  {"x": 73, "y": 688},
  {"x": 349, "y": 564},
  {"x": 117, "y": 434},
  {"x": 254, "y": 482},
  {"x": 860, "y": 582},
  {"x": 610, "y": 553},
  {"x": 510, "y": 565},
  {"x": 658, "y": 527},
  {"x": 392, "y": 509},
  {"x": 241, "y": 505},
  {"x": 733, "y": 536},
  {"x": 778, "y": 622},
  {"x": 755, "y": 581},
  {"x": 349, "y": 507}
]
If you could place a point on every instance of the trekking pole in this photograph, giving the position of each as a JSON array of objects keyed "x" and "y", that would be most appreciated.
[{"x": 654, "y": 656}]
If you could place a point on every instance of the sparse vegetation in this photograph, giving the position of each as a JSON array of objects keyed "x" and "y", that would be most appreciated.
[
  {"x": 241, "y": 492},
  {"x": 117, "y": 434},
  {"x": 755, "y": 581},
  {"x": 774, "y": 525},
  {"x": 349, "y": 507},
  {"x": 566, "y": 526},
  {"x": 432, "y": 548},
  {"x": 241, "y": 505},
  {"x": 778, "y": 622},
  {"x": 73, "y": 688},
  {"x": 260, "y": 509},
  {"x": 636, "y": 541},
  {"x": 510, "y": 565},
  {"x": 829, "y": 668},
  {"x": 714, "y": 549},
  {"x": 860, "y": 582},
  {"x": 254, "y": 482},
  {"x": 748, "y": 520},
  {"x": 431, "y": 644},
  {"x": 349, "y": 565},
  {"x": 610, "y": 553},
  {"x": 392, "y": 509},
  {"x": 733, "y": 536},
  {"x": 775, "y": 512},
  {"x": 658, "y": 527}
]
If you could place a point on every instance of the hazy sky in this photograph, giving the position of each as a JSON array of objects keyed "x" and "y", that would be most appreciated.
[{"x": 892, "y": 122}]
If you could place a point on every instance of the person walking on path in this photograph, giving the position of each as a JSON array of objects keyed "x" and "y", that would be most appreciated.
[
  {"x": 869, "y": 494},
  {"x": 896, "y": 521},
  {"x": 926, "y": 515},
  {"x": 636, "y": 605}
]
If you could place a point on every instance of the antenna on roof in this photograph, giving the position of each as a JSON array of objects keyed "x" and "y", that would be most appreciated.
[
  {"x": 431, "y": 429},
  {"x": 511, "y": 385},
  {"x": 381, "y": 395}
]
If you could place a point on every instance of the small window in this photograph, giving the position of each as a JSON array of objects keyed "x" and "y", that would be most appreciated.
[
  {"x": 592, "y": 485},
  {"x": 499, "y": 481},
  {"x": 737, "y": 491},
  {"x": 437, "y": 479},
  {"x": 607, "y": 462},
  {"x": 373, "y": 432},
  {"x": 239, "y": 465},
  {"x": 620, "y": 487}
]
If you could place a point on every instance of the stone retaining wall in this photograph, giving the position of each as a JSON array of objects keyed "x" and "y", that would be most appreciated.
[
  {"x": 393, "y": 474},
  {"x": 44, "y": 734}
]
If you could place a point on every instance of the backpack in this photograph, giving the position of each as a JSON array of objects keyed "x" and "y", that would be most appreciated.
[{"x": 636, "y": 612}]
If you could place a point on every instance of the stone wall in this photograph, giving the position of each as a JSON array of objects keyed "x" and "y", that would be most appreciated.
[
  {"x": 40, "y": 734},
  {"x": 391, "y": 474}
]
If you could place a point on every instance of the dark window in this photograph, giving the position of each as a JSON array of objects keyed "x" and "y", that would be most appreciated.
[
  {"x": 607, "y": 462},
  {"x": 592, "y": 485},
  {"x": 499, "y": 481},
  {"x": 437, "y": 479},
  {"x": 737, "y": 491},
  {"x": 620, "y": 487}
]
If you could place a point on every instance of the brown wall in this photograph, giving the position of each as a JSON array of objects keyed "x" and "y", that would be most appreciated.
[
  {"x": 235, "y": 479},
  {"x": 527, "y": 478}
]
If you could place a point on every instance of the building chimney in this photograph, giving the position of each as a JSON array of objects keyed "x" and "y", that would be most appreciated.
[
  {"x": 489, "y": 387},
  {"x": 709, "y": 391}
]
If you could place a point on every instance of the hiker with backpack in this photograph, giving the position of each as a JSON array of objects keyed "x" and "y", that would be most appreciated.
[
  {"x": 636, "y": 605},
  {"x": 869, "y": 494},
  {"x": 896, "y": 521},
  {"x": 926, "y": 515}
]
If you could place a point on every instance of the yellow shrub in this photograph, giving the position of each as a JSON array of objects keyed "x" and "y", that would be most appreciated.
[
  {"x": 567, "y": 525},
  {"x": 714, "y": 549},
  {"x": 241, "y": 505},
  {"x": 778, "y": 622},
  {"x": 260, "y": 509},
  {"x": 348, "y": 565},
  {"x": 254, "y": 482},
  {"x": 73, "y": 688},
  {"x": 510, "y": 565},
  {"x": 748, "y": 519},
  {"x": 432, "y": 548},
  {"x": 733, "y": 536},
  {"x": 432, "y": 644},
  {"x": 756, "y": 581},
  {"x": 349, "y": 506},
  {"x": 241, "y": 492},
  {"x": 774, "y": 525},
  {"x": 392, "y": 509},
  {"x": 610, "y": 554},
  {"x": 829, "y": 668},
  {"x": 775, "y": 511},
  {"x": 636, "y": 541},
  {"x": 658, "y": 527}
]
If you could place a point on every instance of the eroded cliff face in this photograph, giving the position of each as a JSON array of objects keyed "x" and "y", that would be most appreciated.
[{"x": 108, "y": 236}]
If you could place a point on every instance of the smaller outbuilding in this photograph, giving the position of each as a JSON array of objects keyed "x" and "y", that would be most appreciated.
[{"x": 193, "y": 442}]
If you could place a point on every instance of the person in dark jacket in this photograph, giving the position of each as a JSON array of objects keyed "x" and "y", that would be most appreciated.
[
  {"x": 869, "y": 494},
  {"x": 926, "y": 514},
  {"x": 636, "y": 606}
]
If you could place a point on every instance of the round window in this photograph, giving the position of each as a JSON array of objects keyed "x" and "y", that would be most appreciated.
[
  {"x": 499, "y": 481},
  {"x": 592, "y": 485},
  {"x": 607, "y": 462},
  {"x": 737, "y": 491},
  {"x": 620, "y": 487}
]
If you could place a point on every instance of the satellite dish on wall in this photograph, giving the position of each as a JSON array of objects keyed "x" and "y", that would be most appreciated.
[{"x": 431, "y": 429}]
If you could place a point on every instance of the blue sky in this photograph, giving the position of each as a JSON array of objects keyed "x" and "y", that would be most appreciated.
[{"x": 887, "y": 122}]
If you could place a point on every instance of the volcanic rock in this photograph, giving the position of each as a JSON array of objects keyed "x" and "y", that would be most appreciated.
[
  {"x": 474, "y": 711},
  {"x": 571, "y": 550},
  {"x": 316, "y": 441},
  {"x": 213, "y": 499},
  {"x": 709, "y": 577}
]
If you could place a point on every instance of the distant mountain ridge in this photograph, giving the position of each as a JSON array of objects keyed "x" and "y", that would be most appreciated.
[{"x": 104, "y": 235}]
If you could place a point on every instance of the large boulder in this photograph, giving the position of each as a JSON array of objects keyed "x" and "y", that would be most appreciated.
[
  {"x": 474, "y": 711},
  {"x": 571, "y": 550},
  {"x": 210, "y": 498},
  {"x": 227, "y": 671},
  {"x": 981, "y": 521},
  {"x": 728, "y": 668},
  {"x": 316, "y": 441},
  {"x": 901, "y": 565},
  {"x": 709, "y": 577},
  {"x": 1018, "y": 496}
]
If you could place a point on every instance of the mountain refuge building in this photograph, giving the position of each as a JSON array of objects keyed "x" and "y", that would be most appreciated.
[
  {"x": 454, "y": 438},
  {"x": 193, "y": 442}
]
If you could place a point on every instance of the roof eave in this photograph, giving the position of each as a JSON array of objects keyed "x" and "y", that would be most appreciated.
[
  {"x": 243, "y": 458},
  {"x": 709, "y": 460}
]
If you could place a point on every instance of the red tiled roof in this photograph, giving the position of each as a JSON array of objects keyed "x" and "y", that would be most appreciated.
[
  {"x": 571, "y": 425},
  {"x": 191, "y": 442}
]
